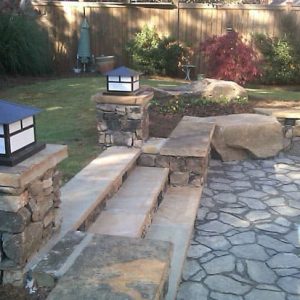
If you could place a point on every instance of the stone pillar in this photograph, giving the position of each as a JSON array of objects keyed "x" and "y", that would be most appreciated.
[
  {"x": 123, "y": 120},
  {"x": 29, "y": 209}
]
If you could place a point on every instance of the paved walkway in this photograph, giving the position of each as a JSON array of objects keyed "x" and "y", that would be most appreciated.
[{"x": 246, "y": 241}]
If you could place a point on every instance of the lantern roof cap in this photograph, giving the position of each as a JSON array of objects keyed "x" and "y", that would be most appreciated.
[
  {"x": 11, "y": 112},
  {"x": 122, "y": 71}
]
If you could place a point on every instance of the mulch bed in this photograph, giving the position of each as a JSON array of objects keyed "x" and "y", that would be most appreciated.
[{"x": 161, "y": 125}]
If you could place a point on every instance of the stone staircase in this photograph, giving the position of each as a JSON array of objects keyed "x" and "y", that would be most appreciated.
[{"x": 141, "y": 205}]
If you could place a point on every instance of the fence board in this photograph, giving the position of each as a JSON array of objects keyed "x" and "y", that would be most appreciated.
[{"x": 113, "y": 25}]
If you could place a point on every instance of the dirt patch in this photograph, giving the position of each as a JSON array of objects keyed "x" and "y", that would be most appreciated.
[{"x": 9, "y": 292}]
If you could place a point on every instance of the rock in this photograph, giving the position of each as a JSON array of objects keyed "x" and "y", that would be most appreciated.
[
  {"x": 215, "y": 226},
  {"x": 179, "y": 178},
  {"x": 225, "y": 284},
  {"x": 260, "y": 272},
  {"x": 290, "y": 284},
  {"x": 192, "y": 290},
  {"x": 13, "y": 277},
  {"x": 190, "y": 268},
  {"x": 284, "y": 260},
  {"x": 13, "y": 203},
  {"x": 223, "y": 90},
  {"x": 264, "y": 294},
  {"x": 243, "y": 238},
  {"x": 250, "y": 251},
  {"x": 14, "y": 222},
  {"x": 226, "y": 197},
  {"x": 242, "y": 136},
  {"x": 196, "y": 251},
  {"x": 217, "y": 242},
  {"x": 272, "y": 243},
  {"x": 19, "y": 247},
  {"x": 233, "y": 221},
  {"x": 220, "y": 264}
]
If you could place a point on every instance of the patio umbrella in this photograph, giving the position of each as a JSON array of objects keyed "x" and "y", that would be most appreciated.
[{"x": 84, "y": 49}]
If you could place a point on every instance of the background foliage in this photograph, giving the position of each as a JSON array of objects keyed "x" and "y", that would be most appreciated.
[
  {"x": 153, "y": 54},
  {"x": 229, "y": 58},
  {"x": 24, "y": 46}
]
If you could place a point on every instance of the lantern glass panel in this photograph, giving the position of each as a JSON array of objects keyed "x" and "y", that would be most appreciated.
[
  {"x": 113, "y": 78},
  {"x": 2, "y": 146},
  {"x": 1, "y": 129},
  {"x": 136, "y": 85},
  {"x": 126, "y": 79},
  {"x": 113, "y": 86},
  {"x": 13, "y": 127},
  {"x": 27, "y": 122},
  {"x": 136, "y": 78},
  {"x": 21, "y": 139}
]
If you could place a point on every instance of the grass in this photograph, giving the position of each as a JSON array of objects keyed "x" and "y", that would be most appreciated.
[
  {"x": 281, "y": 93},
  {"x": 68, "y": 115}
]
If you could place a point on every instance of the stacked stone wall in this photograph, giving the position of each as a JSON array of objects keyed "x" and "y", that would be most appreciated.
[
  {"x": 123, "y": 125},
  {"x": 28, "y": 218},
  {"x": 183, "y": 170}
]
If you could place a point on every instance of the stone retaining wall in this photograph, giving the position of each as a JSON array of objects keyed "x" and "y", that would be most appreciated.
[
  {"x": 29, "y": 214},
  {"x": 183, "y": 170}
]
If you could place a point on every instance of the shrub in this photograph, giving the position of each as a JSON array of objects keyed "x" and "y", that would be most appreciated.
[
  {"x": 153, "y": 54},
  {"x": 229, "y": 58},
  {"x": 24, "y": 47},
  {"x": 281, "y": 63}
]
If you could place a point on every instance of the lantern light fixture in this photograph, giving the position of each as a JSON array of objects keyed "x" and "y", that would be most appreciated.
[
  {"x": 17, "y": 133},
  {"x": 123, "y": 80}
]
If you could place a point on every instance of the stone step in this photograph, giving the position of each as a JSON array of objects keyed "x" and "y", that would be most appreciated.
[
  {"x": 186, "y": 152},
  {"x": 174, "y": 222},
  {"x": 130, "y": 211},
  {"x": 84, "y": 195},
  {"x": 91, "y": 266}
]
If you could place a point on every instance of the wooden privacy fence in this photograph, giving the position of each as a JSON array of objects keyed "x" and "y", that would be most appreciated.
[{"x": 112, "y": 25}]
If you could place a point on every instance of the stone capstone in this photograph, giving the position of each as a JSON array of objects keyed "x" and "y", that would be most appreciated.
[{"x": 242, "y": 136}]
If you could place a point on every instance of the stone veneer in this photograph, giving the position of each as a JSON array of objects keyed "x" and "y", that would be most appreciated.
[
  {"x": 29, "y": 209},
  {"x": 122, "y": 120}
]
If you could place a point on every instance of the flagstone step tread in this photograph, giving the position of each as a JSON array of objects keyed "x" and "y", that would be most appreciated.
[
  {"x": 174, "y": 222},
  {"x": 110, "y": 267},
  {"x": 83, "y": 193},
  {"x": 88, "y": 190},
  {"x": 130, "y": 210},
  {"x": 190, "y": 138}
]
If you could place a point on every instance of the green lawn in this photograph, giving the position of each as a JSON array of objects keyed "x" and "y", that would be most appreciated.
[
  {"x": 287, "y": 93},
  {"x": 68, "y": 115}
]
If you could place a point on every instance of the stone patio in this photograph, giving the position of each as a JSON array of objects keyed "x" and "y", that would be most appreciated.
[{"x": 246, "y": 241}]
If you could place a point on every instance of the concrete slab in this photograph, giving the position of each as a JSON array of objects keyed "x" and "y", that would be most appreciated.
[
  {"x": 174, "y": 222},
  {"x": 116, "y": 268},
  {"x": 190, "y": 138}
]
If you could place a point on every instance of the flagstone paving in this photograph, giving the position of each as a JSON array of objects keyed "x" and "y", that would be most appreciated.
[{"x": 246, "y": 243}]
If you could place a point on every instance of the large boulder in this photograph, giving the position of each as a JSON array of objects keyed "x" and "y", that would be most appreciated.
[
  {"x": 221, "y": 89},
  {"x": 242, "y": 136},
  {"x": 206, "y": 88}
]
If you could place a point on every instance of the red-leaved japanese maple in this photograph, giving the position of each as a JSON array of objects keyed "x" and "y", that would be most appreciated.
[{"x": 229, "y": 58}]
